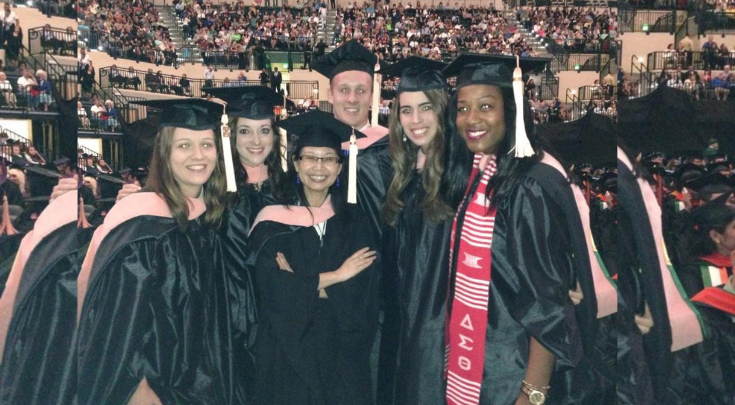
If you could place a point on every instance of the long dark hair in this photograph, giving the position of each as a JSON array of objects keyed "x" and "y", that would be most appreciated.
[
  {"x": 161, "y": 181},
  {"x": 510, "y": 168},
  {"x": 404, "y": 154},
  {"x": 273, "y": 162}
]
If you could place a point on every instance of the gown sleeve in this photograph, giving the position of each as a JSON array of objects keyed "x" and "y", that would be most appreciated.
[
  {"x": 117, "y": 328},
  {"x": 538, "y": 261}
]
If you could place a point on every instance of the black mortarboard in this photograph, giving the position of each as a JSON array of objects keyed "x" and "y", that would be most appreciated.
[
  {"x": 197, "y": 114},
  {"x": 350, "y": 56},
  {"x": 705, "y": 215},
  {"x": 62, "y": 161},
  {"x": 321, "y": 129},
  {"x": 713, "y": 178},
  {"x": 252, "y": 102},
  {"x": 42, "y": 180},
  {"x": 495, "y": 70},
  {"x": 124, "y": 170},
  {"x": 417, "y": 74},
  {"x": 190, "y": 113},
  {"x": 109, "y": 185},
  {"x": 318, "y": 128}
]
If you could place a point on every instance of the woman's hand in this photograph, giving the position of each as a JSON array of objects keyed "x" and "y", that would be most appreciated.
[
  {"x": 576, "y": 295},
  {"x": 144, "y": 395},
  {"x": 283, "y": 263},
  {"x": 645, "y": 322},
  {"x": 355, "y": 264},
  {"x": 127, "y": 190}
]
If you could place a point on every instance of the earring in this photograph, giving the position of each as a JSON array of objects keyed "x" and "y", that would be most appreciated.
[
  {"x": 298, "y": 179},
  {"x": 336, "y": 184},
  {"x": 404, "y": 137}
]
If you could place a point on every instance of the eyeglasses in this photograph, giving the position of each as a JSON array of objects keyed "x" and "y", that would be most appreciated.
[{"x": 328, "y": 160}]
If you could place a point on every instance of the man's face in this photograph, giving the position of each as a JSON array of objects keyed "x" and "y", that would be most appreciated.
[{"x": 350, "y": 93}]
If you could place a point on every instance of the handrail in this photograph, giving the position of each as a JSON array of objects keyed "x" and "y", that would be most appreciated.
[
  {"x": 126, "y": 79},
  {"x": 53, "y": 40}
]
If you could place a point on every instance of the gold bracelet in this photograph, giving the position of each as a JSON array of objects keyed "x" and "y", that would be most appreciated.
[{"x": 534, "y": 387}]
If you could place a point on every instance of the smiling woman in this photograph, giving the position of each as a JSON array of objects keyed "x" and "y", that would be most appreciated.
[
  {"x": 156, "y": 250},
  {"x": 315, "y": 274}
]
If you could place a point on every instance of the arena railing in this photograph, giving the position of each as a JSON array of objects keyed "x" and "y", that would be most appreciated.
[
  {"x": 711, "y": 22},
  {"x": 170, "y": 84},
  {"x": 632, "y": 20},
  {"x": 53, "y": 40},
  {"x": 712, "y": 60}
]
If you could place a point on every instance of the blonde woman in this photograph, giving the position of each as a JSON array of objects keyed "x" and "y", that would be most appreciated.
[{"x": 18, "y": 177}]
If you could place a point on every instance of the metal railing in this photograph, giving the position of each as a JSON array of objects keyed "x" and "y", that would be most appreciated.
[
  {"x": 53, "y": 40},
  {"x": 575, "y": 112},
  {"x": 587, "y": 93},
  {"x": 711, "y": 22},
  {"x": 647, "y": 80},
  {"x": 549, "y": 87},
  {"x": 581, "y": 62},
  {"x": 631, "y": 20},
  {"x": 170, "y": 84},
  {"x": 699, "y": 60}
]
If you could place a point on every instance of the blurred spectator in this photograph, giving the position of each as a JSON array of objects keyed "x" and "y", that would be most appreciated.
[
  {"x": 209, "y": 76},
  {"x": 33, "y": 156},
  {"x": 6, "y": 91},
  {"x": 82, "y": 115},
  {"x": 112, "y": 122},
  {"x": 42, "y": 94}
]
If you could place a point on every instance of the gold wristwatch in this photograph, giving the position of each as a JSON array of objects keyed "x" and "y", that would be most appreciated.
[{"x": 534, "y": 394}]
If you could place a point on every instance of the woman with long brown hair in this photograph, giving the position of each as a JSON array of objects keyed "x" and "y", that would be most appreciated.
[
  {"x": 157, "y": 324},
  {"x": 418, "y": 212}
]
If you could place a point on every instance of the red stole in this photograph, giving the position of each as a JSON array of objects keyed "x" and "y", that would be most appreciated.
[
  {"x": 468, "y": 318},
  {"x": 717, "y": 298}
]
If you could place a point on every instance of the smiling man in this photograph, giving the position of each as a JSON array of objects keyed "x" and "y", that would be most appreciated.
[{"x": 350, "y": 69}]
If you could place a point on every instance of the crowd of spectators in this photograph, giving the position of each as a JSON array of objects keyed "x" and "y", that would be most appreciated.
[
  {"x": 574, "y": 29},
  {"x": 396, "y": 31},
  {"x": 31, "y": 91},
  {"x": 129, "y": 29}
]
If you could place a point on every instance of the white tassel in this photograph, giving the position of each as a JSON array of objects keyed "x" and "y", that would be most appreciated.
[
  {"x": 523, "y": 146},
  {"x": 377, "y": 79},
  {"x": 227, "y": 154},
  {"x": 352, "y": 172},
  {"x": 284, "y": 149}
]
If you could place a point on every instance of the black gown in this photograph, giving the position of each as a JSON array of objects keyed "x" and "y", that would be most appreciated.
[
  {"x": 418, "y": 254},
  {"x": 38, "y": 364},
  {"x": 311, "y": 350},
  {"x": 703, "y": 373},
  {"x": 529, "y": 292},
  {"x": 162, "y": 304}
]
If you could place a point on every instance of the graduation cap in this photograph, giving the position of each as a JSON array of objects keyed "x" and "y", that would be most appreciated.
[
  {"x": 417, "y": 74},
  {"x": 62, "y": 161},
  {"x": 109, "y": 185},
  {"x": 705, "y": 215},
  {"x": 320, "y": 129},
  {"x": 198, "y": 115},
  {"x": 477, "y": 68},
  {"x": 696, "y": 183},
  {"x": 252, "y": 102},
  {"x": 350, "y": 56},
  {"x": 493, "y": 70},
  {"x": 125, "y": 170},
  {"x": 42, "y": 180}
]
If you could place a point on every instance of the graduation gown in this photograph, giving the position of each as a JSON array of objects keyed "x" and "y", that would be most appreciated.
[
  {"x": 418, "y": 252},
  {"x": 529, "y": 292},
  {"x": 239, "y": 218},
  {"x": 592, "y": 381},
  {"x": 706, "y": 271},
  {"x": 161, "y": 304},
  {"x": 311, "y": 350},
  {"x": 38, "y": 362},
  {"x": 374, "y": 174},
  {"x": 703, "y": 373}
]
